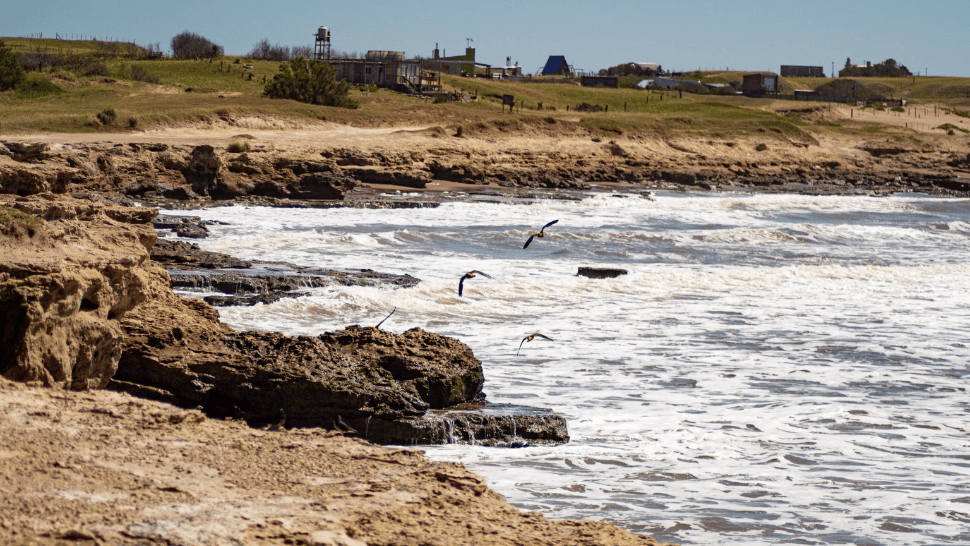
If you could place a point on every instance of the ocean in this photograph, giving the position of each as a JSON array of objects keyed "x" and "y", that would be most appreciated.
[{"x": 773, "y": 369}]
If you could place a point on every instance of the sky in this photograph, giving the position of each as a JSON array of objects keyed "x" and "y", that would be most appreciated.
[{"x": 931, "y": 37}]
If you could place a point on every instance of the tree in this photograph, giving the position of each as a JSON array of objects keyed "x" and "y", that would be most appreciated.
[
  {"x": 189, "y": 45},
  {"x": 309, "y": 81},
  {"x": 11, "y": 73},
  {"x": 268, "y": 52}
]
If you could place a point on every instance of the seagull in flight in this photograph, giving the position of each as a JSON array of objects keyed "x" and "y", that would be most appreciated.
[
  {"x": 540, "y": 234},
  {"x": 470, "y": 274},
  {"x": 385, "y": 318},
  {"x": 530, "y": 337}
]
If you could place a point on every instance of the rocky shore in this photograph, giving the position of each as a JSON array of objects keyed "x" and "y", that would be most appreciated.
[{"x": 245, "y": 437}]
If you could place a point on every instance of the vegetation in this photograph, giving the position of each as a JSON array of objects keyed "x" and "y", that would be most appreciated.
[
  {"x": 148, "y": 94},
  {"x": 11, "y": 73},
  {"x": 189, "y": 45},
  {"x": 107, "y": 116},
  {"x": 237, "y": 147},
  {"x": 265, "y": 51},
  {"x": 311, "y": 82},
  {"x": 886, "y": 69},
  {"x": 15, "y": 223}
]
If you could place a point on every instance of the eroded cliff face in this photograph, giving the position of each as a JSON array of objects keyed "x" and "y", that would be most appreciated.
[
  {"x": 82, "y": 305},
  {"x": 69, "y": 271}
]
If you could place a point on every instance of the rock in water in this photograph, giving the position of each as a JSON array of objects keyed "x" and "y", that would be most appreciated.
[{"x": 601, "y": 272}]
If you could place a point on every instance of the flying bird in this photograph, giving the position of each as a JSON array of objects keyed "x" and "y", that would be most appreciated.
[
  {"x": 385, "y": 318},
  {"x": 530, "y": 337},
  {"x": 470, "y": 274},
  {"x": 540, "y": 234}
]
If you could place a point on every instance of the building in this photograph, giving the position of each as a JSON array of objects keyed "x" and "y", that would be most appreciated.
[
  {"x": 600, "y": 81},
  {"x": 457, "y": 65},
  {"x": 387, "y": 69},
  {"x": 759, "y": 84},
  {"x": 794, "y": 71},
  {"x": 556, "y": 66}
]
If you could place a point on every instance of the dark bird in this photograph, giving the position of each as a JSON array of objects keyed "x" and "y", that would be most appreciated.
[
  {"x": 385, "y": 318},
  {"x": 470, "y": 274},
  {"x": 540, "y": 234},
  {"x": 339, "y": 425},
  {"x": 530, "y": 337}
]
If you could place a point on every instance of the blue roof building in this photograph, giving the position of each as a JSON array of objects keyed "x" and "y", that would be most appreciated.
[{"x": 556, "y": 66}]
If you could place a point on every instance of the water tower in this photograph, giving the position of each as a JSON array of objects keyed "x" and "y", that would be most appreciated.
[{"x": 321, "y": 49}]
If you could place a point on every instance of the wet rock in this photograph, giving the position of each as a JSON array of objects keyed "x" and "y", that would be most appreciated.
[
  {"x": 491, "y": 425},
  {"x": 181, "y": 254},
  {"x": 601, "y": 272},
  {"x": 185, "y": 226},
  {"x": 356, "y": 373},
  {"x": 410, "y": 178}
]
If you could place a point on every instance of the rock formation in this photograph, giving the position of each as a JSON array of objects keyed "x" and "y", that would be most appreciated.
[{"x": 83, "y": 306}]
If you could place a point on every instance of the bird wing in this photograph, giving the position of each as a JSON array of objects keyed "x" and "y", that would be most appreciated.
[
  {"x": 544, "y": 336},
  {"x": 529, "y": 241},
  {"x": 549, "y": 224},
  {"x": 486, "y": 275},
  {"x": 520, "y": 345},
  {"x": 385, "y": 318},
  {"x": 461, "y": 283}
]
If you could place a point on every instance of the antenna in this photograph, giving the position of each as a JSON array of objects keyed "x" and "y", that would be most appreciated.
[{"x": 468, "y": 42}]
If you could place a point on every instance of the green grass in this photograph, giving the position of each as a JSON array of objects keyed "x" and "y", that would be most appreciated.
[
  {"x": 200, "y": 91},
  {"x": 15, "y": 223}
]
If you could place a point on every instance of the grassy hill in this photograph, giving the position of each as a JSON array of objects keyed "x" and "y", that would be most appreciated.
[{"x": 166, "y": 92}]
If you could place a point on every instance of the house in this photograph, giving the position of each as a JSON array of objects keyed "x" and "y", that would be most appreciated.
[
  {"x": 794, "y": 71},
  {"x": 556, "y": 66},
  {"x": 759, "y": 84},
  {"x": 457, "y": 65},
  {"x": 386, "y": 69}
]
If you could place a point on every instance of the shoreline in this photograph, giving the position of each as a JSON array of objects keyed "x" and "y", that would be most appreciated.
[{"x": 99, "y": 197}]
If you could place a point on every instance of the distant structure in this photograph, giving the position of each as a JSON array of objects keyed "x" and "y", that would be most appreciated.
[
  {"x": 600, "y": 81},
  {"x": 795, "y": 71},
  {"x": 556, "y": 66},
  {"x": 382, "y": 68},
  {"x": 321, "y": 47},
  {"x": 458, "y": 65},
  {"x": 759, "y": 84}
]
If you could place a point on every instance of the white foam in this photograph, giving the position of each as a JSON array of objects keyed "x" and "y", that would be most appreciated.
[{"x": 794, "y": 365}]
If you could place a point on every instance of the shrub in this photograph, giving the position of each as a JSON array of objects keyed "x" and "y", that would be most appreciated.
[
  {"x": 140, "y": 74},
  {"x": 309, "y": 81},
  {"x": 34, "y": 89},
  {"x": 237, "y": 147},
  {"x": 107, "y": 116},
  {"x": 11, "y": 73},
  {"x": 95, "y": 68},
  {"x": 132, "y": 123}
]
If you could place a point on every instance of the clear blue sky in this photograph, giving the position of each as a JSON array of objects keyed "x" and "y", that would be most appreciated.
[{"x": 931, "y": 35}]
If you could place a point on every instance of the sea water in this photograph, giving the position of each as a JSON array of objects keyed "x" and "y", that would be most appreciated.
[{"x": 773, "y": 369}]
